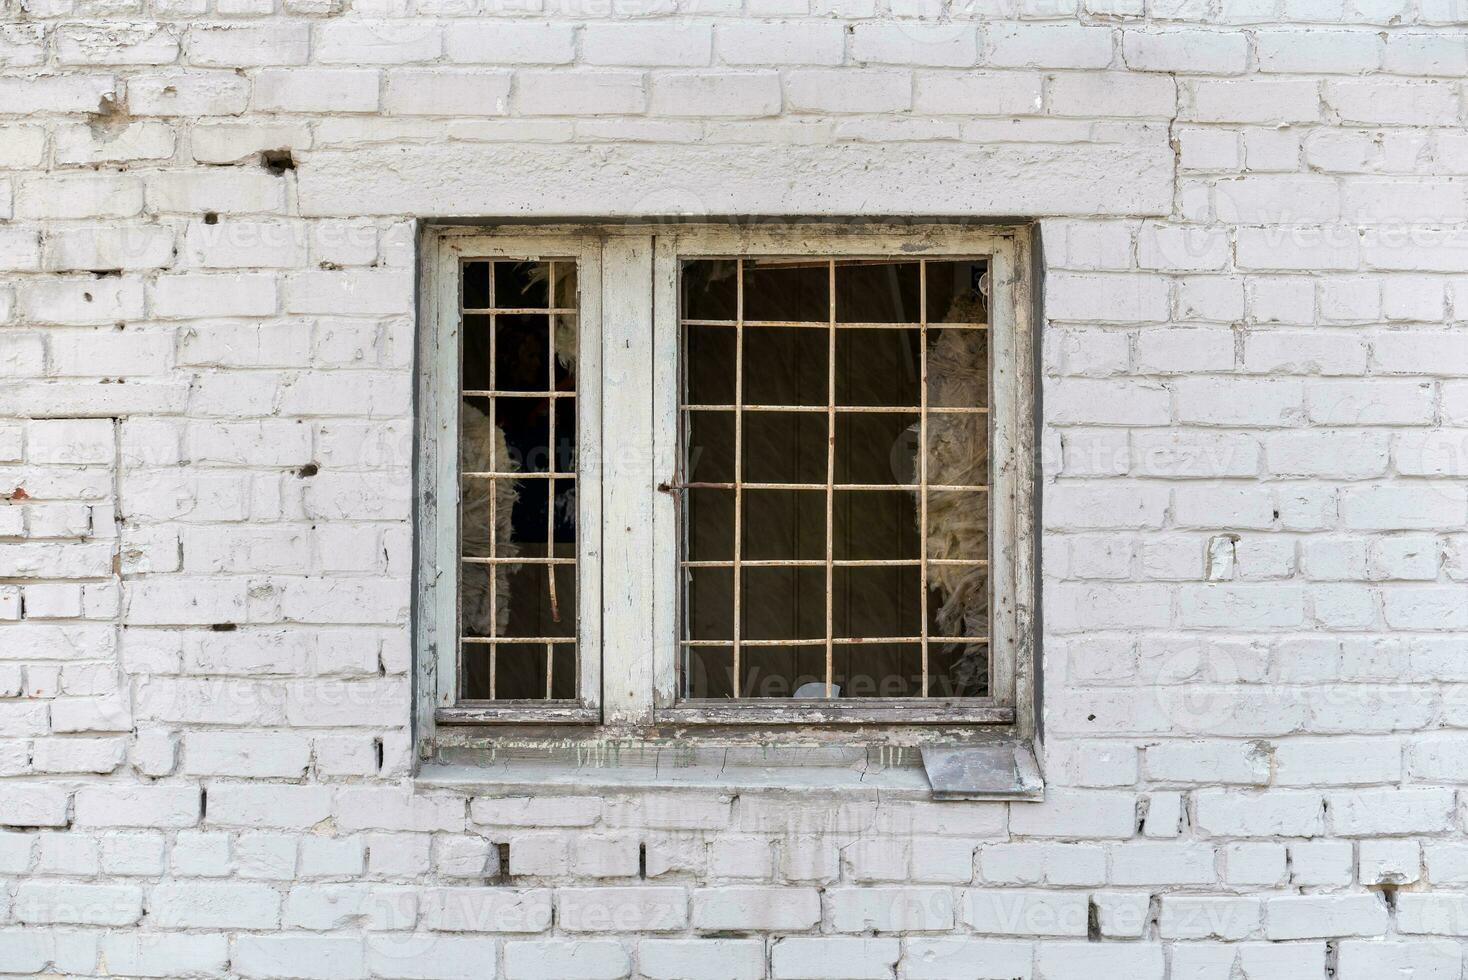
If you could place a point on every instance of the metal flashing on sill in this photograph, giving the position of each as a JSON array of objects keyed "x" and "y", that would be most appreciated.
[
  {"x": 960, "y": 772},
  {"x": 1000, "y": 771}
]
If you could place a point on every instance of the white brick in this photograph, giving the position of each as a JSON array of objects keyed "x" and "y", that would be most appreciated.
[
  {"x": 672, "y": 959},
  {"x": 163, "y": 955},
  {"x": 41, "y": 902},
  {"x": 1324, "y": 916},
  {"x": 1359, "y": 959},
  {"x": 425, "y": 92},
  {"x": 371, "y": 42},
  {"x": 673, "y": 43},
  {"x": 214, "y": 905},
  {"x": 316, "y": 90},
  {"x": 777, "y": 43},
  {"x": 1048, "y": 46},
  {"x": 502, "y": 42},
  {"x": 541, "y": 93},
  {"x": 1085, "y": 961},
  {"x": 798, "y": 958},
  {"x": 952, "y": 45},
  {"x": 847, "y": 90},
  {"x": 1190, "y": 51},
  {"x": 716, "y": 94}
]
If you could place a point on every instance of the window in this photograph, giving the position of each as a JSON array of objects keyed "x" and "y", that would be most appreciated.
[{"x": 725, "y": 475}]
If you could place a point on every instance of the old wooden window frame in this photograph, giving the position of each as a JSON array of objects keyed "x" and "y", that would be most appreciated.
[{"x": 629, "y": 373}]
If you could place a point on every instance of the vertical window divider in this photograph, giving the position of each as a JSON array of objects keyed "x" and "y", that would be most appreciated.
[
  {"x": 923, "y": 465},
  {"x": 830, "y": 476}
]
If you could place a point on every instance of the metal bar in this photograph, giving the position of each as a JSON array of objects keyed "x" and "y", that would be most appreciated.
[
  {"x": 839, "y": 562},
  {"x": 923, "y": 464},
  {"x": 849, "y": 409},
  {"x": 839, "y": 640},
  {"x": 489, "y": 475},
  {"x": 517, "y": 310},
  {"x": 532, "y": 640},
  {"x": 517, "y": 560},
  {"x": 822, "y": 324},
  {"x": 830, "y": 471},
  {"x": 494, "y": 543},
  {"x": 550, "y": 465},
  {"x": 738, "y": 466},
  {"x": 493, "y": 393},
  {"x": 851, "y": 487}
]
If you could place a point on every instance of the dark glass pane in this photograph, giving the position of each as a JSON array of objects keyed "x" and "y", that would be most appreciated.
[
  {"x": 782, "y": 672},
  {"x": 476, "y": 285},
  {"x": 521, "y": 285},
  {"x": 710, "y": 523},
  {"x": 708, "y": 363},
  {"x": 876, "y": 447},
  {"x": 709, "y": 290},
  {"x": 708, "y": 672},
  {"x": 784, "y": 447},
  {"x": 877, "y": 292},
  {"x": 877, "y": 367},
  {"x": 785, "y": 289},
  {"x": 522, "y": 352},
  {"x": 953, "y": 292},
  {"x": 957, "y": 670},
  {"x": 784, "y": 603},
  {"x": 784, "y": 524},
  {"x": 785, "y": 365},
  {"x": 711, "y": 602},
  {"x": 874, "y": 524},
  {"x": 709, "y": 447},
  {"x": 878, "y": 670},
  {"x": 880, "y": 601}
]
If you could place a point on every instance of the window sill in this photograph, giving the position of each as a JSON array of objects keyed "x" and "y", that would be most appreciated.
[{"x": 991, "y": 769}]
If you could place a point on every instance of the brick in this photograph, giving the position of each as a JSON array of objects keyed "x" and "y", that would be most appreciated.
[
  {"x": 741, "y": 908},
  {"x": 779, "y": 43},
  {"x": 424, "y": 92},
  {"x": 1281, "y": 813},
  {"x": 1324, "y": 916},
  {"x": 369, "y": 42},
  {"x": 542, "y": 93},
  {"x": 137, "y": 806},
  {"x": 279, "y": 42},
  {"x": 1080, "y": 961},
  {"x": 487, "y": 910},
  {"x": 798, "y": 958},
  {"x": 639, "y": 909},
  {"x": 582, "y": 960},
  {"x": 40, "y": 902},
  {"x": 673, "y": 959},
  {"x": 952, "y": 45},
  {"x": 1183, "y": 50},
  {"x": 163, "y": 955},
  {"x": 316, "y": 90},
  {"x": 1359, "y": 959},
  {"x": 681, "y": 43},
  {"x": 847, "y": 90},
  {"x": 501, "y": 42},
  {"x": 894, "y": 909},
  {"x": 716, "y": 94},
  {"x": 1048, "y": 46}
]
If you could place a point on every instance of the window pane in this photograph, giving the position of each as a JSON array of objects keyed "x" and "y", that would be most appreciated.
[
  {"x": 877, "y": 530},
  {"x": 517, "y": 505}
]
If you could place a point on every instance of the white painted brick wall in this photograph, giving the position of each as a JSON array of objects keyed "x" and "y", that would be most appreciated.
[{"x": 1255, "y": 226}]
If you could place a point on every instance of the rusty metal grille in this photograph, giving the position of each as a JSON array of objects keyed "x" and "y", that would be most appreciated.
[
  {"x": 517, "y": 432},
  {"x": 729, "y": 348}
]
